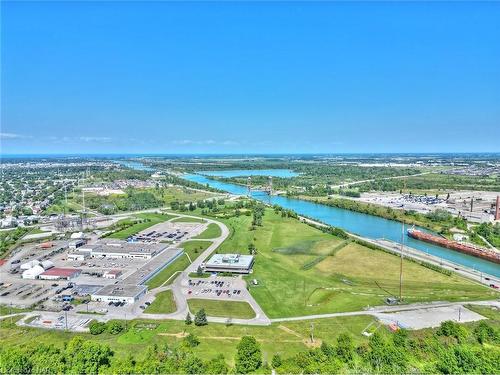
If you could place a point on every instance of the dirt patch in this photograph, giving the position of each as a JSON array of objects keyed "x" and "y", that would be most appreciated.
[
  {"x": 316, "y": 344},
  {"x": 290, "y": 331}
]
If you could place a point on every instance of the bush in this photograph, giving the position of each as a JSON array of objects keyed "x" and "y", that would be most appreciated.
[
  {"x": 115, "y": 327},
  {"x": 96, "y": 328}
]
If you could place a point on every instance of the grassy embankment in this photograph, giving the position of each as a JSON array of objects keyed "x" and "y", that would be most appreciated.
[
  {"x": 188, "y": 220},
  {"x": 193, "y": 249},
  {"x": 212, "y": 231},
  {"x": 303, "y": 271},
  {"x": 164, "y": 303}
]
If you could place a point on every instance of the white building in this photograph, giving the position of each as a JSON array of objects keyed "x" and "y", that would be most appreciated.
[
  {"x": 112, "y": 274},
  {"x": 76, "y": 244},
  {"x": 33, "y": 272},
  {"x": 79, "y": 255},
  {"x": 119, "y": 293}
]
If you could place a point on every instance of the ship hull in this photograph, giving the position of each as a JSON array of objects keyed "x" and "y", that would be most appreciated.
[{"x": 456, "y": 246}]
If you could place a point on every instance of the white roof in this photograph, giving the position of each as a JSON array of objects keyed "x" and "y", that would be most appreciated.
[
  {"x": 33, "y": 272},
  {"x": 30, "y": 264},
  {"x": 46, "y": 264},
  {"x": 76, "y": 235}
]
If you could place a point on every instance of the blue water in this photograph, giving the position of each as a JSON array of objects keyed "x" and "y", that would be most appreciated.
[
  {"x": 286, "y": 173},
  {"x": 368, "y": 226},
  {"x": 135, "y": 165}
]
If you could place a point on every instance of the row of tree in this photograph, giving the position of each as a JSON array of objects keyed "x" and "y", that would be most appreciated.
[{"x": 452, "y": 349}]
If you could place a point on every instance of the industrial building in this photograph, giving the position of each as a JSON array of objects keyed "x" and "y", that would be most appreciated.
[
  {"x": 60, "y": 274},
  {"x": 234, "y": 263},
  {"x": 119, "y": 293},
  {"x": 112, "y": 274},
  {"x": 119, "y": 250},
  {"x": 79, "y": 255},
  {"x": 76, "y": 244}
]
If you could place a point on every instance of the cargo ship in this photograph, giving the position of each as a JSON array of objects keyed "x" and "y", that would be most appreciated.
[{"x": 490, "y": 255}]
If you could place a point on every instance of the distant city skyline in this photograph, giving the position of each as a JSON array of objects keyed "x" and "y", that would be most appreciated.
[{"x": 254, "y": 78}]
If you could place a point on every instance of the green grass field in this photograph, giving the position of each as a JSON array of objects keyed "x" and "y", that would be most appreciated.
[
  {"x": 181, "y": 194},
  {"x": 353, "y": 278},
  {"x": 193, "y": 249},
  {"x": 150, "y": 220},
  {"x": 285, "y": 338},
  {"x": 224, "y": 309},
  {"x": 188, "y": 220},
  {"x": 164, "y": 303},
  {"x": 212, "y": 231}
]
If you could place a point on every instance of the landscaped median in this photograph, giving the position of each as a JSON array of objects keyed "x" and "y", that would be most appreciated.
[
  {"x": 191, "y": 248},
  {"x": 164, "y": 303}
]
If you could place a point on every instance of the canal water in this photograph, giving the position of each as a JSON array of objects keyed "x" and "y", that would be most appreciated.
[{"x": 365, "y": 225}]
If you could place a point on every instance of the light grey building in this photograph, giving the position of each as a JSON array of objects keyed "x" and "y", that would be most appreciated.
[{"x": 234, "y": 263}]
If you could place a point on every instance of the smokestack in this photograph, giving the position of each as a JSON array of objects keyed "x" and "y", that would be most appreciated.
[
  {"x": 471, "y": 204},
  {"x": 497, "y": 210}
]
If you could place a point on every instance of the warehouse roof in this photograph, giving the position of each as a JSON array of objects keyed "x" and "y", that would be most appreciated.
[{"x": 61, "y": 272}]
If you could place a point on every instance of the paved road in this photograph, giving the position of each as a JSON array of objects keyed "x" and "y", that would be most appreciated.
[
  {"x": 180, "y": 287},
  {"x": 379, "y": 311}
]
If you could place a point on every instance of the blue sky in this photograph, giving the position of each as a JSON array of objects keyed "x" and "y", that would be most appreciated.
[{"x": 225, "y": 77}]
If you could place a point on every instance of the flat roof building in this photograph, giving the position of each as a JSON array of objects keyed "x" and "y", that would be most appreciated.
[
  {"x": 123, "y": 249},
  {"x": 119, "y": 293},
  {"x": 234, "y": 263},
  {"x": 56, "y": 273}
]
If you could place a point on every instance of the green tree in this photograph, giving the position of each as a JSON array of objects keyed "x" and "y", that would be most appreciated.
[
  {"x": 345, "y": 347},
  {"x": 193, "y": 365},
  {"x": 217, "y": 365},
  {"x": 276, "y": 361},
  {"x": 188, "y": 319},
  {"x": 14, "y": 361},
  {"x": 86, "y": 357},
  {"x": 96, "y": 328},
  {"x": 200, "y": 318},
  {"x": 248, "y": 355},
  {"x": 115, "y": 327},
  {"x": 191, "y": 341}
]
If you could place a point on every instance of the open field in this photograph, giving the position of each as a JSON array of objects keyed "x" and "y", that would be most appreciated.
[
  {"x": 285, "y": 338},
  {"x": 212, "y": 231},
  {"x": 171, "y": 194},
  {"x": 191, "y": 248},
  {"x": 163, "y": 304},
  {"x": 150, "y": 219},
  {"x": 225, "y": 309},
  {"x": 188, "y": 220},
  {"x": 353, "y": 278}
]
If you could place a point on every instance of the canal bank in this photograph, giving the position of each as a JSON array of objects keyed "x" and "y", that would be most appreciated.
[{"x": 366, "y": 226}]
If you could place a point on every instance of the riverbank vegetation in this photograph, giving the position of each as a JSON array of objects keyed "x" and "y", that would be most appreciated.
[
  {"x": 440, "y": 221},
  {"x": 301, "y": 270}
]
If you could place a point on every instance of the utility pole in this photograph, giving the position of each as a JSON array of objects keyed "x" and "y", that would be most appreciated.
[
  {"x": 312, "y": 332},
  {"x": 459, "y": 313},
  {"x": 66, "y": 318},
  {"x": 401, "y": 264}
]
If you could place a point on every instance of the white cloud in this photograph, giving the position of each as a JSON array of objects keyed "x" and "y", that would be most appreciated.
[
  {"x": 95, "y": 139},
  {"x": 204, "y": 142},
  {"x": 13, "y": 136}
]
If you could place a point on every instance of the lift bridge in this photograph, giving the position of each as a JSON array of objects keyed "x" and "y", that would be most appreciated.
[{"x": 267, "y": 188}]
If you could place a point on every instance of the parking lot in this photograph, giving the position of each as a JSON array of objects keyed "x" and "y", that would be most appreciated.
[
  {"x": 59, "y": 321},
  {"x": 215, "y": 288},
  {"x": 169, "y": 231}
]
